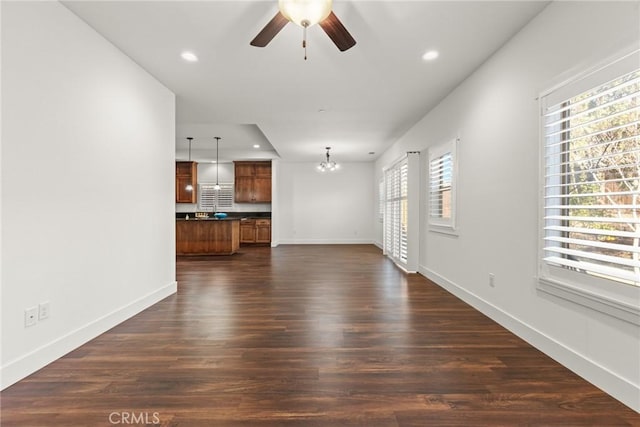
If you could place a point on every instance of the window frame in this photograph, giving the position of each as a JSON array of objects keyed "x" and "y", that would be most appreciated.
[
  {"x": 607, "y": 296},
  {"x": 438, "y": 224}
]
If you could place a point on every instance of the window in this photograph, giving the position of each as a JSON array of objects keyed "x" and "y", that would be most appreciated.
[
  {"x": 381, "y": 200},
  {"x": 395, "y": 218},
  {"x": 210, "y": 200},
  {"x": 441, "y": 187},
  {"x": 590, "y": 220}
]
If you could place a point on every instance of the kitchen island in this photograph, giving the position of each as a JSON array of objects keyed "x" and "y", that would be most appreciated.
[{"x": 207, "y": 236}]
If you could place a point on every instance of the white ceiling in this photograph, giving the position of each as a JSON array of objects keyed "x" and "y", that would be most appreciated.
[{"x": 371, "y": 94}]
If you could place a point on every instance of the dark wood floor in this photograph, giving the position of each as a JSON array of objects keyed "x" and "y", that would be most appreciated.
[{"x": 308, "y": 336}]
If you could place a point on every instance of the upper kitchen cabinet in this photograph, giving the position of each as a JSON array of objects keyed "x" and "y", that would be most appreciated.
[
  {"x": 186, "y": 182},
  {"x": 253, "y": 182}
]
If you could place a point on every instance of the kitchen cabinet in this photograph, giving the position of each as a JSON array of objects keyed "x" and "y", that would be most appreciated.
[
  {"x": 252, "y": 182},
  {"x": 186, "y": 174},
  {"x": 207, "y": 236},
  {"x": 248, "y": 231},
  {"x": 255, "y": 231},
  {"x": 263, "y": 231}
]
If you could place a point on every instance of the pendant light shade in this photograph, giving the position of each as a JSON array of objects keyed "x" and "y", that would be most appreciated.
[
  {"x": 328, "y": 165},
  {"x": 189, "y": 187}
]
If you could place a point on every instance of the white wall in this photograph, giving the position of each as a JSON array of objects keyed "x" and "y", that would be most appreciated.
[
  {"x": 329, "y": 207},
  {"x": 495, "y": 113},
  {"x": 92, "y": 232}
]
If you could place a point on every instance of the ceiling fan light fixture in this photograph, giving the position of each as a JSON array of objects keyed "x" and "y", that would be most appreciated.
[{"x": 305, "y": 13}]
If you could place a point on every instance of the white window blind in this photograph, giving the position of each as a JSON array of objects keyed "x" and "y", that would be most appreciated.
[
  {"x": 210, "y": 200},
  {"x": 395, "y": 218},
  {"x": 591, "y": 222},
  {"x": 381, "y": 197},
  {"x": 441, "y": 176}
]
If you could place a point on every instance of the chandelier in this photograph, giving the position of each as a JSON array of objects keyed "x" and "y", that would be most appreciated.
[{"x": 328, "y": 165}]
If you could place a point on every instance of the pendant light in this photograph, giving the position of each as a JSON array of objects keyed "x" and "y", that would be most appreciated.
[
  {"x": 217, "y": 186},
  {"x": 189, "y": 187},
  {"x": 328, "y": 165}
]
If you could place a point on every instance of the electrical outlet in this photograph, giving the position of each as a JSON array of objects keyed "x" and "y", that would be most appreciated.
[
  {"x": 43, "y": 310},
  {"x": 30, "y": 316},
  {"x": 492, "y": 280}
]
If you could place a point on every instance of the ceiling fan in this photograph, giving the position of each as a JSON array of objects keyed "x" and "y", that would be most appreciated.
[{"x": 306, "y": 13}]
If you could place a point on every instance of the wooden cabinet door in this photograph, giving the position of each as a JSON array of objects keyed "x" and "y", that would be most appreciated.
[
  {"x": 262, "y": 190},
  {"x": 248, "y": 231},
  {"x": 252, "y": 182},
  {"x": 244, "y": 169},
  {"x": 263, "y": 231},
  {"x": 184, "y": 168},
  {"x": 243, "y": 189},
  {"x": 262, "y": 169},
  {"x": 182, "y": 194},
  {"x": 186, "y": 174}
]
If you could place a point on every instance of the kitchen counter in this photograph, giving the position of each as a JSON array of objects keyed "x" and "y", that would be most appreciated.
[
  {"x": 210, "y": 219},
  {"x": 207, "y": 236},
  {"x": 230, "y": 215}
]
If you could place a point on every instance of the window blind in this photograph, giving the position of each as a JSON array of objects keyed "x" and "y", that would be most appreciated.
[
  {"x": 441, "y": 186},
  {"x": 592, "y": 180},
  {"x": 210, "y": 200},
  {"x": 440, "y": 180},
  {"x": 395, "y": 218},
  {"x": 381, "y": 197}
]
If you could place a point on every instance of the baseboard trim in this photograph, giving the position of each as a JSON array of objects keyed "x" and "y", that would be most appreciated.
[
  {"x": 611, "y": 383},
  {"x": 37, "y": 359},
  {"x": 326, "y": 242}
]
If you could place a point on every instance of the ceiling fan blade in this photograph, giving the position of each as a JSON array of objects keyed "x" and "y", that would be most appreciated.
[
  {"x": 270, "y": 30},
  {"x": 337, "y": 32}
]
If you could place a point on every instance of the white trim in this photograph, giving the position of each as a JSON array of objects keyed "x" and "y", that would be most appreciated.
[
  {"x": 403, "y": 268},
  {"x": 29, "y": 363},
  {"x": 443, "y": 230},
  {"x": 613, "y": 384},
  {"x": 587, "y": 69},
  {"x": 326, "y": 242},
  {"x": 595, "y": 301},
  {"x": 389, "y": 165}
]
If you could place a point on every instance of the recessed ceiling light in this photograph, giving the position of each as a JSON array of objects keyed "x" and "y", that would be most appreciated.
[
  {"x": 430, "y": 55},
  {"x": 189, "y": 56},
  {"x": 256, "y": 145}
]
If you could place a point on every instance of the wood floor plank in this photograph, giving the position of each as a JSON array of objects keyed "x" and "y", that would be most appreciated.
[{"x": 313, "y": 336}]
